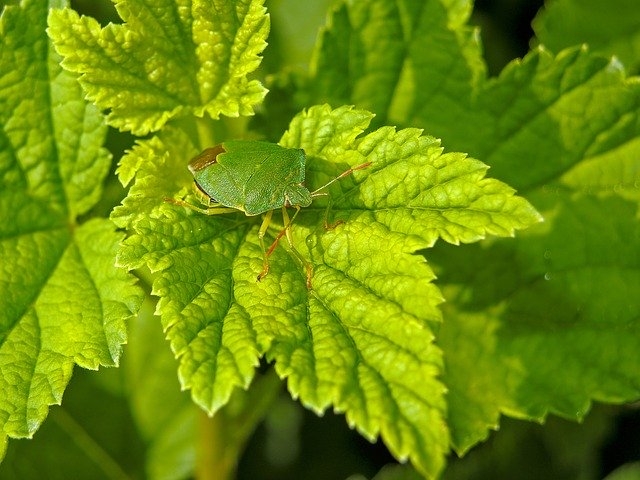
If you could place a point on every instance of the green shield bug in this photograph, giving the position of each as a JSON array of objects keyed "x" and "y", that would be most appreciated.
[{"x": 255, "y": 178}]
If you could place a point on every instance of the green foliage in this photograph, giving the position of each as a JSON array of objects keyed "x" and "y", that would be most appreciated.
[
  {"x": 537, "y": 324},
  {"x": 63, "y": 301},
  {"x": 165, "y": 418},
  {"x": 608, "y": 28},
  {"x": 165, "y": 61},
  {"x": 398, "y": 59},
  {"x": 564, "y": 130},
  {"x": 333, "y": 343},
  {"x": 628, "y": 471}
]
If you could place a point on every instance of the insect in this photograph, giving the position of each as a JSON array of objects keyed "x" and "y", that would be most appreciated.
[{"x": 256, "y": 178}]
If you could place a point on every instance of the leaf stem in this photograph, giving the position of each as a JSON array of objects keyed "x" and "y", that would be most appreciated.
[
  {"x": 222, "y": 438},
  {"x": 207, "y": 132}
]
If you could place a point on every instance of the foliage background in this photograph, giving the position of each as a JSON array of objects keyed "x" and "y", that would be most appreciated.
[{"x": 106, "y": 437}]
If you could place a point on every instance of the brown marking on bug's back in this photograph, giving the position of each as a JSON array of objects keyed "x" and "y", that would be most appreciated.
[{"x": 209, "y": 156}]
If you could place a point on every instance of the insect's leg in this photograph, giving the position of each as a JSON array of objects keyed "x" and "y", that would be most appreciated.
[
  {"x": 212, "y": 210},
  {"x": 342, "y": 175},
  {"x": 327, "y": 225},
  {"x": 284, "y": 231},
  {"x": 287, "y": 229},
  {"x": 265, "y": 254}
]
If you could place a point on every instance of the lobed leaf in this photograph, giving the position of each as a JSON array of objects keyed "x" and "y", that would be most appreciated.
[
  {"x": 575, "y": 108},
  {"x": 541, "y": 304},
  {"x": 361, "y": 340},
  {"x": 146, "y": 162},
  {"x": 561, "y": 129},
  {"x": 167, "y": 59},
  {"x": 63, "y": 302},
  {"x": 411, "y": 187},
  {"x": 208, "y": 331},
  {"x": 594, "y": 149}
]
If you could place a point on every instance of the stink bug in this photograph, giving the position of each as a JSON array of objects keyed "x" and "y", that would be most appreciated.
[{"x": 255, "y": 178}]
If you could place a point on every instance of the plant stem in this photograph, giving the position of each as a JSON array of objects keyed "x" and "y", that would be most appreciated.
[
  {"x": 222, "y": 438},
  {"x": 207, "y": 131},
  {"x": 216, "y": 455}
]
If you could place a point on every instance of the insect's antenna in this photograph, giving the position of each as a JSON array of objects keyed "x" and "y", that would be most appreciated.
[{"x": 342, "y": 175}]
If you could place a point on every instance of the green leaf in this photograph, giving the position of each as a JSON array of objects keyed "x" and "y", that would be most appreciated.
[
  {"x": 166, "y": 60},
  {"x": 166, "y": 417},
  {"x": 577, "y": 109},
  {"x": 564, "y": 131},
  {"x": 542, "y": 303},
  {"x": 84, "y": 437},
  {"x": 62, "y": 300},
  {"x": 146, "y": 162},
  {"x": 611, "y": 28},
  {"x": 361, "y": 340},
  {"x": 587, "y": 248},
  {"x": 388, "y": 57},
  {"x": 412, "y": 187},
  {"x": 559, "y": 449},
  {"x": 195, "y": 296},
  {"x": 628, "y": 471}
]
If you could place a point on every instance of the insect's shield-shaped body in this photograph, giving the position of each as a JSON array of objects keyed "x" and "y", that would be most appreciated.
[
  {"x": 255, "y": 178},
  {"x": 251, "y": 176}
]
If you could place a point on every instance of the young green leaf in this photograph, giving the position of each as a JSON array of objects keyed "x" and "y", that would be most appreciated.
[
  {"x": 166, "y": 60},
  {"x": 62, "y": 301},
  {"x": 147, "y": 161},
  {"x": 361, "y": 339},
  {"x": 611, "y": 28},
  {"x": 564, "y": 130},
  {"x": 446, "y": 196}
]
